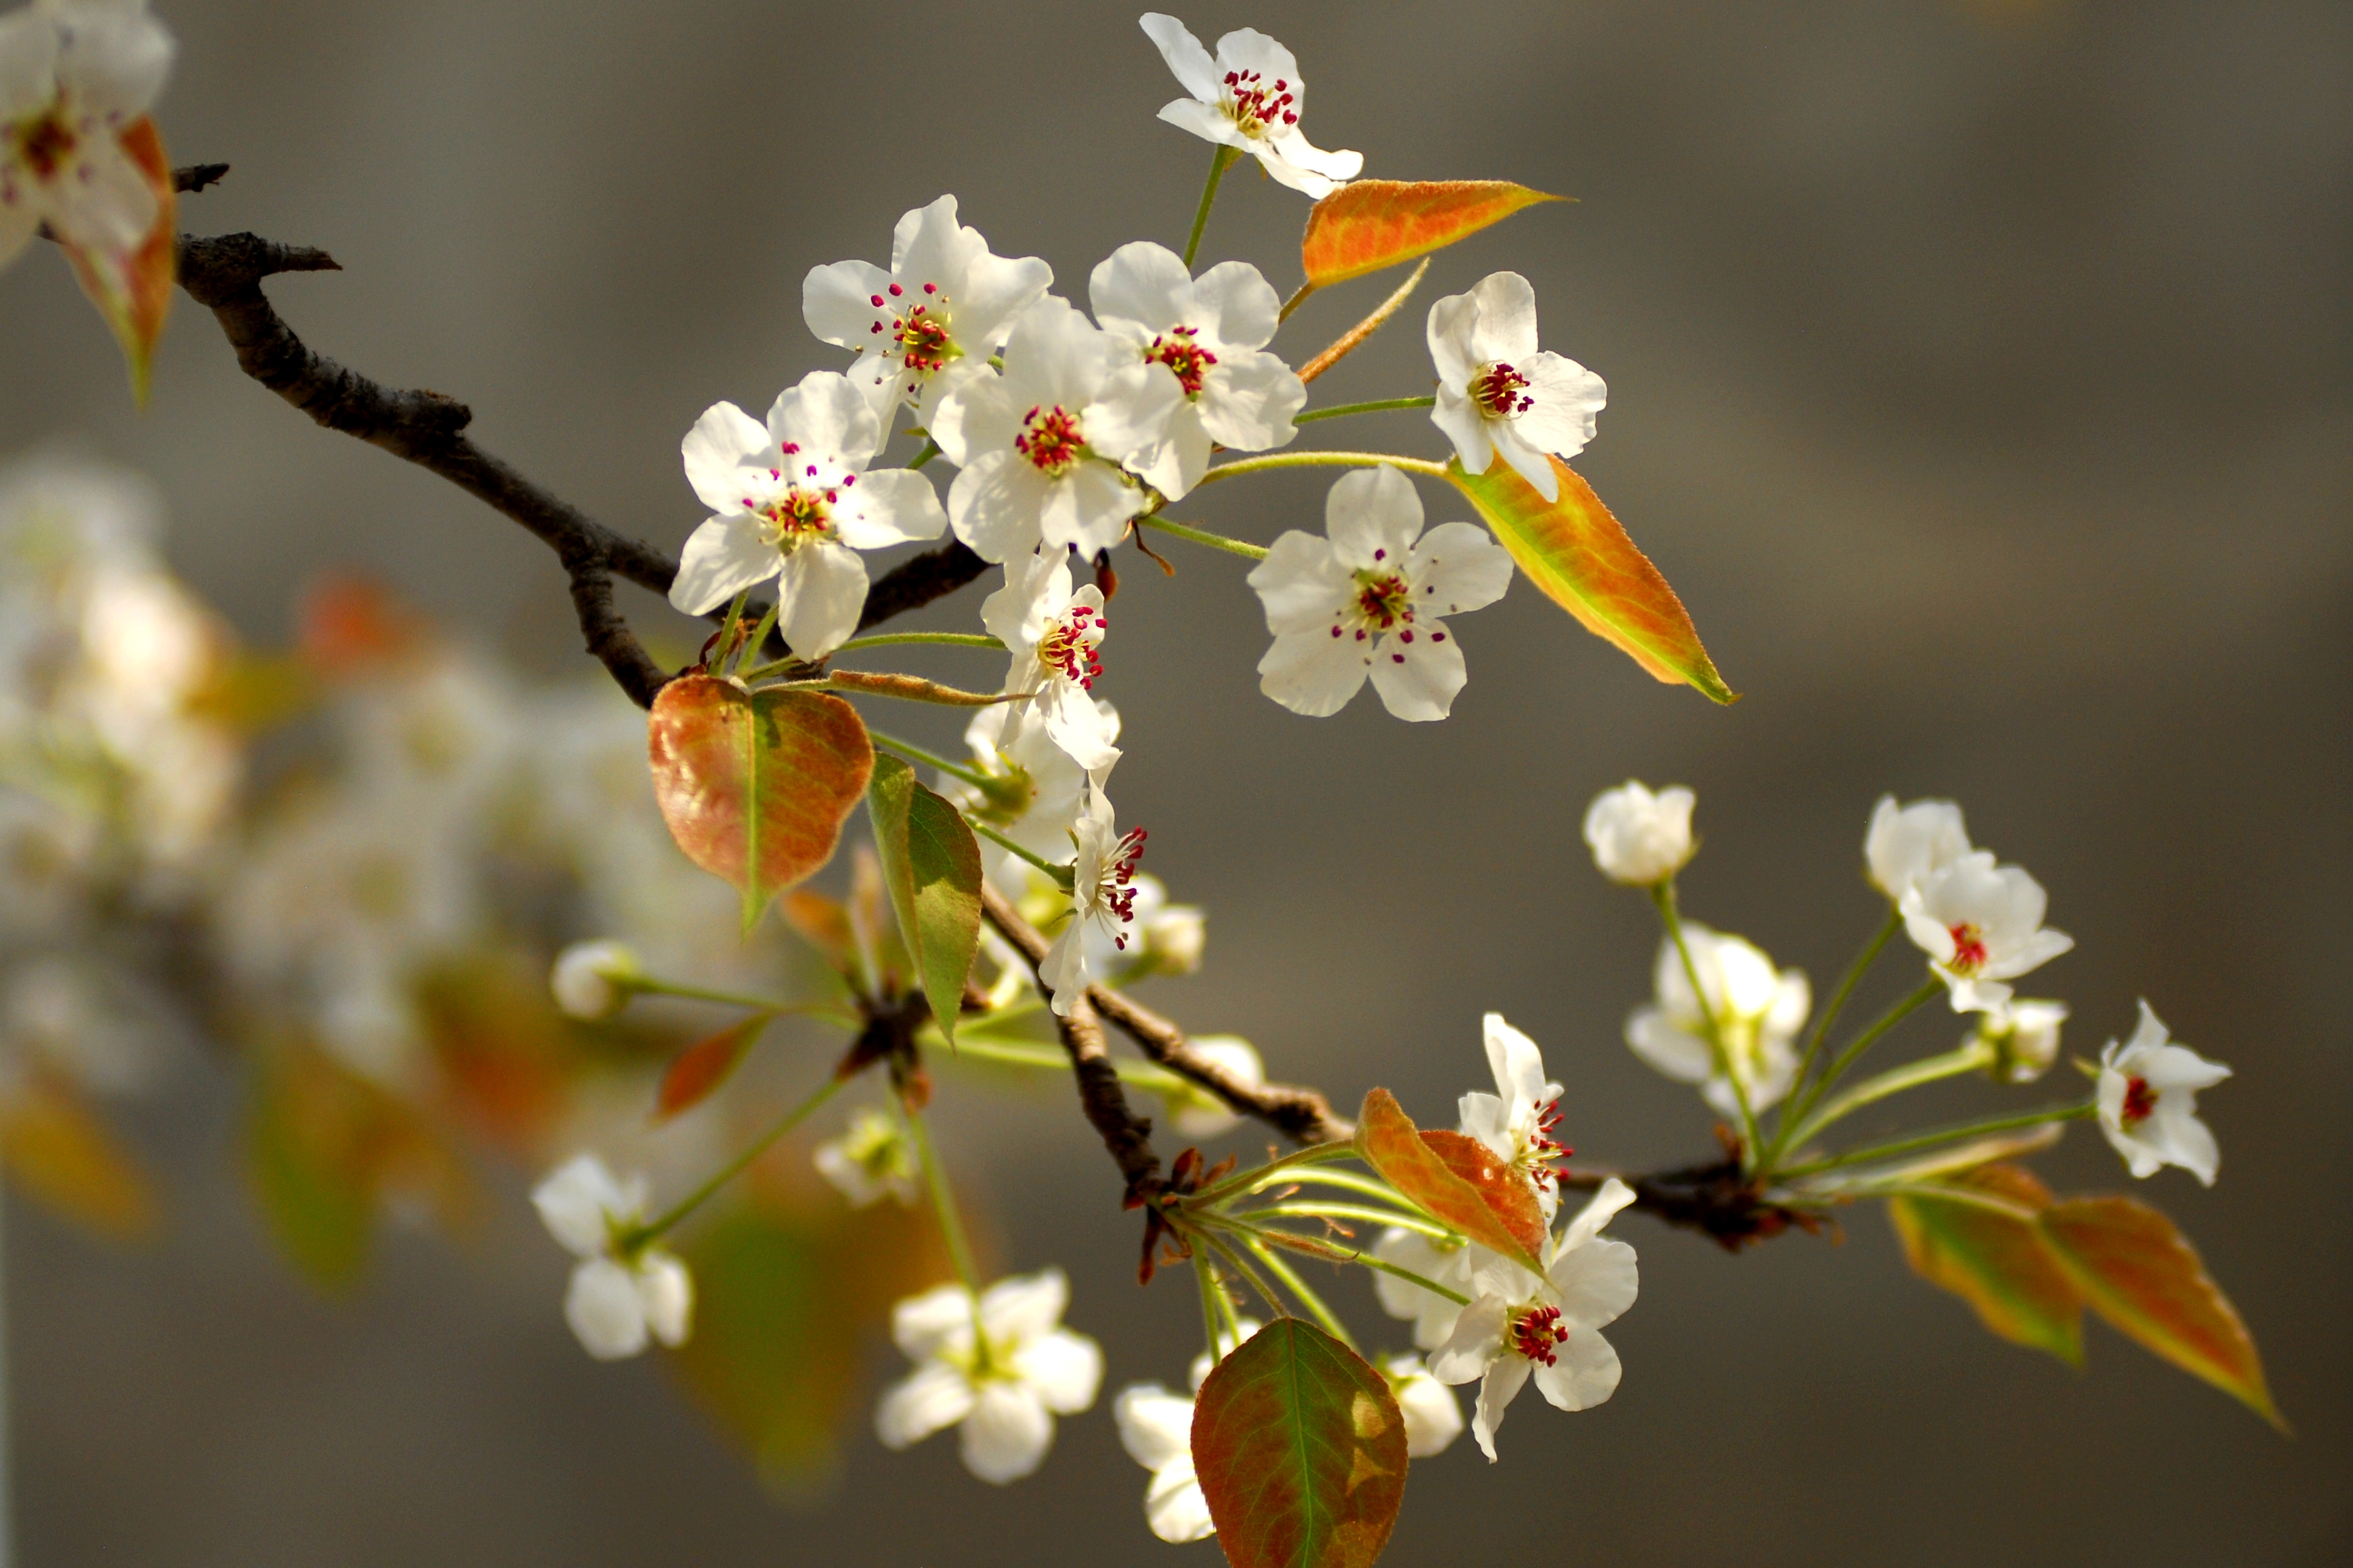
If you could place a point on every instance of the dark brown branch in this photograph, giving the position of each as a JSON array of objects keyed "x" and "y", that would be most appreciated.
[
  {"x": 1127, "y": 1135},
  {"x": 194, "y": 177},
  {"x": 917, "y": 581},
  {"x": 1717, "y": 1199}
]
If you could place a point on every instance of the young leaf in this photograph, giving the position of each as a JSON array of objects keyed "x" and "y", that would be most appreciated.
[
  {"x": 1483, "y": 1198},
  {"x": 1300, "y": 1450},
  {"x": 1577, "y": 553},
  {"x": 1369, "y": 225},
  {"x": 2142, "y": 1275},
  {"x": 696, "y": 1072},
  {"x": 1990, "y": 1254},
  {"x": 66, "y": 1157},
  {"x": 133, "y": 290},
  {"x": 930, "y": 864},
  {"x": 754, "y": 786}
]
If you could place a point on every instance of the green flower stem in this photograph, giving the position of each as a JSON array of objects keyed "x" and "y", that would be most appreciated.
[
  {"x": 1203, "y": 536},
  {"x": 1945, "y": 1135},
  {"x": 1249, "y": 1180},
  {"x": 1323, "y": 460},
  {"x": 1381, "y": 406},
  {"x": 639, "y": 1236},
  {"x": 945, "y": 640},
  {"x": 935, "y": 1181},
  {"x": 1354, "y": 1181},
  {"x": 909, "y": 752},
  {"x": 1316, "y": 1308},
  {"x": 1061, "y": 873},
  {"x": 1235, "y": 1261},
  {"x": 1751, "y": 1150},
  {"x": 1213, "y": 1297},
  {"x": 1220, "y": 162},
  {"x": 1296, "y": 301},
  {"x": 1364, "y": 1212},
  {"x": 1331, "y": 1254},
  {"x": 1847, "y": 982},
  {"x": 930, "y": 449},
  {"x": 972, "y": 1042},
  {"x": 650, "y": 986},
  {"x": 1969, "y": 1057},
  {"x": 759, "y": 634},
  {"x": 735, "y": 618},
  {"x": 1846, "y": 1058}
]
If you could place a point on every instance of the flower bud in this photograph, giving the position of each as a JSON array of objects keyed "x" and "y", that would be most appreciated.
[
  {"x": 1196, "y": 1112},
  {"x": 1174, "y": 938},
  {"x": 1639, "y": 839},
  {"x": 1432, "y": 1417},
  {"x": 2025, "y": 1040},
  {"x": 593, "y": 980}
]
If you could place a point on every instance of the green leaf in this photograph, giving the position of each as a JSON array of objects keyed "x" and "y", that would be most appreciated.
[
  {"x": 2141, "y": 1274},
  {"x": 755, "y": 786},
  {"x": 1368, "y": 225},
  {"x": 1300, "y": 1450},
  {"x": 1975, "y": 1234},
  {"x": 931, "y": 865},
  {"x": 1577, "y": 554},
  {"x": 1457, "y": 1181},
  {"x": 696, "y": 1072}
]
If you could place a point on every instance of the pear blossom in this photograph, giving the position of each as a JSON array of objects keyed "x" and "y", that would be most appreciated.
[
  {"x": 591, "y": 979},
  {"x": 794, "y": 501},
  {"x": 1024, "y": 439},
  {"x": 1001, "y": 1386},
  {"x": 1101, "y": 899},
  {"x": 930, "y": 323},
  {"x": 2023, "y": 1038},
  {"x": 1520, "y": 1325},
  {"x": 1156, "y": 1427},
  {"x": 1757, "y": 1011},
  {"x": 1638, "y": 838},
  {"x": 1033, "y": 790},
  {"x": 1367, "y": 600},
  {"x": 1980, "y": 925},
  {"x": 1193, "y": 1111},
  {"x": 1174, "y": 937},
  {"x": 2147, "y": 1100},
  {"x": 1432, "y": 1417},
  {"x": 873, "y": 1159},
  {"x": 620, "y": 1295},
  {"x": 1516, "y": 1121},
  {"x": 72, "y": 79},
  {"x": 1498, "y": 394},
  {"x": 1053, "y": 630},
  {"x": 1249, "y": 97},
  {"x": 1439, "y": 1262},
  {"x": 1908, "y": 844},
  {"x": 1209, "y": 336}
]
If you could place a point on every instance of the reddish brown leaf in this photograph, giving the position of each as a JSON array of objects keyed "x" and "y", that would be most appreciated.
[
  {"x": 696, "y": 1072},
  {"x": 1368, "y": 225},
  {"x": 1982, "y": 1244},
  {"x": 1486, "y": 1201}
]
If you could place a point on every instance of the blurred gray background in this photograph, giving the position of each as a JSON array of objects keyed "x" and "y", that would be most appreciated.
[{"x": 1979, "y": 375}]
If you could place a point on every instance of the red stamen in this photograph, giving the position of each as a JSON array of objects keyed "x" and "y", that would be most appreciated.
[
  {"x": 1535, "y": 1331},
  {"x": 1497, "y": 391},
  {"x": 2140, "y": 1101},
  {"x": 1969, "y": 949}
]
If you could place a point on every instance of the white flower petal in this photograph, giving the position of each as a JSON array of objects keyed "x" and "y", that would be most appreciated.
[
  {"x": 1584, "y": 1374},
  {"x": 1455, "y": 567},
  {"x": 1506, "y": 327},
  {"x": 937, "y": 1323},
  {"x": 1174, "y": 1505},
  {"x": 721, "y": 558},
  {"x": 1143, "y": 283},
  {"x": 1007, "y": 1434},
  {"x": 1497, "y": 1389},
  {"x": 605, "y": 1310},
  {"x": 1248, "y": 401},
  {"x": 934, "y": 1396},
  {"x": 889, "y": 506},
  {"x": 836, "y": 302},
  {"x": 575, "y": 1201},
  {"x": 995, "y": 505},
  {"x": 1475, "y": 1343},
  {"x": 1155, "y": 1426},
  {"x": 1300, "y": 583},
  {"x": 716, "y": 450},
  {"x": 665, "y": 1296},
  {"x": 1314, "y": 672},
  {"x": 1239, "y": 308},
  {"x": 1372, "y": 517},
  {"x": 827, "y": 417},
  {"x": 822, "y": 591},
  {"x": 1186, "y": 57},
  {"x": 1065, "y": 1368},
  {"x": 1564, "y": 398},
  {"x": 1419, "y": 672}
]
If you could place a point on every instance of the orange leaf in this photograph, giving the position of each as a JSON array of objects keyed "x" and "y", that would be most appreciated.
[
  {"x": 68, "y": 1160},
  {"x": 133, "y": 290},
  {"x": 755, "y": 786},
  {"x": 2142, "y": 1275},
  {"x": 1579, "y": 555},
  {"x": 1483, "y": 1198},
  {"x": 1368, "y": 225},
  {"x": 1991, "y": 1255},
  {"x": 698, "y": 1071}
]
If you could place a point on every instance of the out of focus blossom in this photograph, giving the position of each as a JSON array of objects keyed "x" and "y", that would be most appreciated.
[
  {"x": 1193, "y": 1111},
  {"x": 2024, "y": 1037},
  {"x": 2147, "y": 1100},
  {"x": 1000, "y": 1369},
  {"x": 623, "y": 1295},
  {"x": 1908, "y": 844},
  {"x": 873, "y": 1159},
  {"x": 1433, "y": 1417},
  {"x": 1638, "y": 838},
  {"x": 1758, "y": 1012},
  {"x": 591, "y": 979}
]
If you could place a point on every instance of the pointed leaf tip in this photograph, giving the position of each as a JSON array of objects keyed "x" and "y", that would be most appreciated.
[
  {"x": 695, "y": 1074},
  {"x": 1580, "y": 556},
  {"x": 1368, "y": 225}
]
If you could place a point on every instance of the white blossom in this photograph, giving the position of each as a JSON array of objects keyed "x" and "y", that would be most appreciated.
[
  {"x": 2147, "y": 1100},
  {"x": 1498, "y": 394},
  {"x": 1908, "y": 844},
  {"x": 930, "y": 322},
  {"x": 72, "y": 79},
  {"x": 2023, "y": 1036},
  {"x": 1638, "y": 838},
  {"x": 1515, "y": 1123},
  {"x": 1054, "y": 631},
  {"x": 1980, "y": 925},
  {"x": 873, "y": 1159},
  {"x": 1249, "y": 97},
  {"x": 1433, "y": 1418},
  {"x": 1034, "y": 787},
  {"x": 1101, "y": 900},
  {"x": 1024, "y": 439},
  {"x": 1156, "y": 1427},
  {"x": 1758, "y": 1012},
  {"x": 1520, "y": 1325},
  {"x": 1193, "y": 1111},
  {"x": 1002, "y": 1387},
  {"x": 1207, "y": 334},
  {"x": 591, "y": 979},
  {"x": 1441, "y": 1263},
  {"x": 793, "y": 500},
  {"x": 620, "y": 1296},
  {"x": 1367, "y": 600},
  {"x": 1174, "y": 937}
]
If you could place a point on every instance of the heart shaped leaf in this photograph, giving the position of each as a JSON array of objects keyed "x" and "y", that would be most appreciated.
[
  {"x": 1577, "y": 553},
  {"x": 1369, "y": 225},
  {"x": 1300, "y": 1450},
  {"x": 755, "y": 786},
  {"x": 695, "y": 1073},
  {"x": 1457, "y": 1181},
  {"x": 132, "y": 289},
  {"x": 2142, "y": 1275},
  {"x": 1975, "y": 1236},
  {"x": 931, "y": 865}
]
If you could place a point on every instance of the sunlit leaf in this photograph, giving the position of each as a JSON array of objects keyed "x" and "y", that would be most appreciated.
[
  {"x": 1577, "y": 553},
  {"x": 1975, "y": 1234},
  {"x": 1300, "y": 1450},
  {"x": 2138, "y": 1272},
  {"x": 133, "y": 290},
  {"x": 1483, "y": 1198},
  {"x": 64, "y": 1156},
  {"x": 755, "y": 786},
  {"x": 931, "y": 866},
  {"x": 1368, "y": 225},
  {"x": 696, "y": 1073}
]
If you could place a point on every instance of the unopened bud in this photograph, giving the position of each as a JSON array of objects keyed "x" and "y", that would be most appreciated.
[{"x": 594, "y": 979}]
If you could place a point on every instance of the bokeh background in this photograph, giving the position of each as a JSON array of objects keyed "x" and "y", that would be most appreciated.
[{"x": 1979, "y": 374}]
